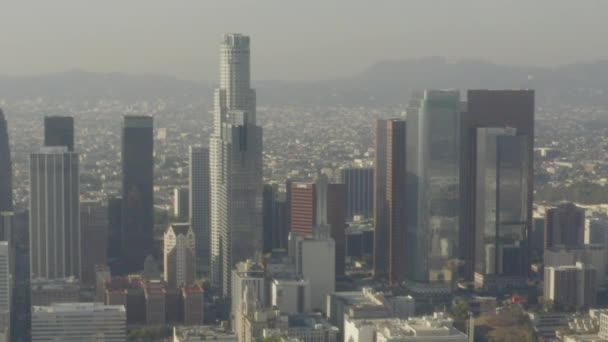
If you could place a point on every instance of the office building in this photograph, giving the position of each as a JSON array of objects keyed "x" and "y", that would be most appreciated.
[
  {"x": 235, "y": 159},
  {"x": 137, "y": 191},
  {"x": 438, "y": 327},
  {"x": 433, "y": 189},
  {"x": 491, "y": 108},
  {"x": 46, "y": 292},
  {"x": 290, "y": 295},
  {"x": 192, "y": 298},
  {"x": 591, "y": 254},
  {"x": 6, "y": 173},
  {"x": 359, "y": 192},
  {"x": 203, "y": 333},
  {"x": 501, "y": 208},
  {"x": 571, "y": 287},
  {"x": 54, "y": 211},
  {"x": 179, "y": 255},
  {"x": 276, "y": 231},
  {"x": 6, "y": 290},
  {"x": 79, "y": 322},
  {"x": 181, "y": 203},
  {"x": 565, "y": 225},
  {"x": 305, "y": 328},
  {"x": 390, "y": 205},
  {"x": 199, "y": 204},
  {"x": 114, "y": 233},
  {"x": 246, "y": 277},
  {"x": 94, "y": 228},
  {"x": 311, "y": 258},
  {"x": 59, "y": 131},
  {"x": 303, "y": 207}
]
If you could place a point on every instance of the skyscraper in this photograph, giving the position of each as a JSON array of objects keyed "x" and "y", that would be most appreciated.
[
  {"x": 390, "y": 206},
  {"x": 433, "y": 181},
  {"x": 6, "y": 185},
  {"x": 179, "y": 255},
  {"x": 303, "y": 206},
  {"x": 565, "y": 225},
  {"x": 114, "y": 233},
  {"x": 181, "y": 203},
  {"x": 235, "y": 165},
  {"x": 137, "y": 191},
  {"x": 275, "y": 218},
  {"x": 501, "y": 208},
  {"x": 491, "y": 108},
  {"x": 55, "y": 250},
  {"x": 359, "y": 191},
  {"x": 6, "y": 289},
  {"x": 199, "y": 204},
  {"x": 94, "y": 237},
  {"x": 59, "y": 131}
]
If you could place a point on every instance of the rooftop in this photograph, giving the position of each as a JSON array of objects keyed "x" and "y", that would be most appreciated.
[{"x": 78, "y": 307}]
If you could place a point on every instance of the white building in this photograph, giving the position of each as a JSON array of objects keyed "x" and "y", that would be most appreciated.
[
  {"x": 54, "y": 211},
  {"x": 311, "y": 256},
  {"x": 79, "y": 322},
  {"x": 235, "y": 162},
  {"x": 247, "y": 277},
  {"x": 203, "y": 333},
  {"x": 434, "y": 328},
  {"x": 305, "y": 328},
  {"x": 179, "y": 255},
  {"x": 5, "y": 291},
  {"x": 291, "y": 296},
  {"x": 199, "y": 204}
]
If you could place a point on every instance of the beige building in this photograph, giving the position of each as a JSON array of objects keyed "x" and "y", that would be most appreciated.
[{"x": 180, "y": 255}]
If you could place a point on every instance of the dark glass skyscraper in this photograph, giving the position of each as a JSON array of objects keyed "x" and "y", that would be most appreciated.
[
  {"x": 137, "y": 191},
  {"x": 390, "y": 206},
  {"x": 59, "y": 131},
  {"x": 359, "y": 191},
  {"x": 501, "y": 217},
  {"x": 6, "y": 175}
]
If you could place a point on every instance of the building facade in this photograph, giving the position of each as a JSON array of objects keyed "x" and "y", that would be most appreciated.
[
  {"x": 54, "y": 211},
  {"x": 359, "y": 192},
  {"x": 137, "y": 191},
  {"x": 565, "y": 225},
  {"x": 94, "y": 238},
  {"x": 59, "y": 131},
  {"x": 199, "y": 204},
  {"x": 235, "y": 159},
  {"x": 181, "y": 203},
  {"x": 571, "y": 287},
  {"x": 179, "y": 255},
  {"x": 6, "y": 171}
]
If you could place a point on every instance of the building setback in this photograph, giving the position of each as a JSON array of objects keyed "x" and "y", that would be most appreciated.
[
  {"x": 137, "y": 191},
  {"x": 54, "y": 212}
]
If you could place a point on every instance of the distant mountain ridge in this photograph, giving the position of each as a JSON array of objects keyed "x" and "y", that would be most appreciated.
[{"x": 386, "y": 83}]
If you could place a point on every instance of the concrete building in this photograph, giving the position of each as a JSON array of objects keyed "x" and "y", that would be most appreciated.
[
  {"x": 565, "y": 225},
  {"x": 247, "y": 277},
  {"x": 203, "y": 333},
  {"x": 595, "y": 255},
  {"x": 179, "y": 255},
  {"x": 94, "y": 238},
  {"x": 235, "y": 159},
  {"x": 256, "y": 320},
  {"x": 311, "y": 256},
  {"x": 137, "y": 160},
  {"x": 46, "y": 292},
  {"x": 54, "y": 211},
  {"x": 305, "y": 328},
  {"x": 434, "y": 328},
  {"x": 571, "y": 287},
  {"x": 193, "y": 310},
  {"x": 359, "y": 184},
  {"x": 6, "y": 290},
  {"x": 291, "y": 296},
  {"x": 199, "y": 204},
  {"x": 79, "y": 322},
  {"x": 276, "y": 231},
  {"x": 389, "y": 201},
  {"x": 181, "y": 203}
]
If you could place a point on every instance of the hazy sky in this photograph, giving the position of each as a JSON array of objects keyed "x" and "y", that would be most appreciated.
[{"x": 293, "y": 39}]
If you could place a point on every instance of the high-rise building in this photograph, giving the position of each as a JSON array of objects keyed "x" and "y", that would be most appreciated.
[
  {"x": 274, "y": 219},
  {"x": 179, "y": 255},
  {"x": 501, "y": 207},
  {"x": 571, "y": 287},
  {"x": 318, "y": 206},
  {"x": 6, "y": 173},
  {"x": 390, "y": 206},
  {"x": 94, "y": 228},
  {"x": 59, "y": 131},
  {"x": 248, "y": 280},
  {"x": 54, "y": 212},
  {"x": 433, "y": 188},
  {"x": 359, "y": 192},
  {"x": 181, "y": 203},
  {"x": 199, "y": 204},
  {"x": 6, "y": 290},
  {"x": 491, "y": 108},
  {"x": 137, "y": 191},
  {"x": 311, "y": 259},
  {"x": 565, "y": 225},
  {"x": 77, "y": 322},
  {"x": 235, "y": 165},
  {"x": 115, "y": 233}
]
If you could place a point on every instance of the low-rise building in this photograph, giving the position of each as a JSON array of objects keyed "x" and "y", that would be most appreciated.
[
  {"x": 46, "y": 292},
  {"x": 203, "y": 333}
]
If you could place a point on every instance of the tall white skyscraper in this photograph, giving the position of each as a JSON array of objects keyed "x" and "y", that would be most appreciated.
[
  {"x": 54, "y": 214},
  {"x": 199, "y": 204},
  {"x": 235, "y": 165}
]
